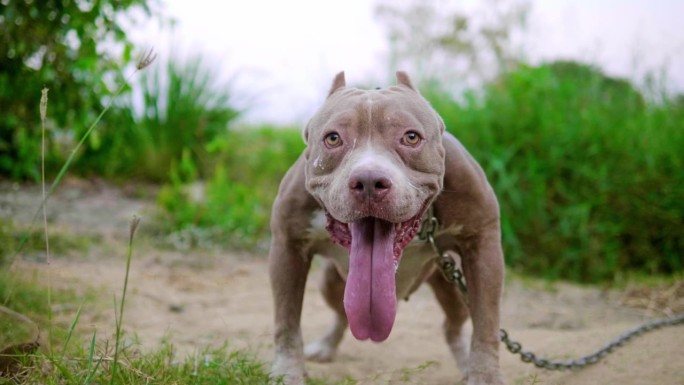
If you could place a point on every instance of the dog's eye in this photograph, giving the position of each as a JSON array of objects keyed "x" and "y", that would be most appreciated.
[
  {"x": 333, "y": 139},
  {"x": 411, "y": 138}
]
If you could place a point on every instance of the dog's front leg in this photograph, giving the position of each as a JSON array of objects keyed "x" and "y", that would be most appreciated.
[
  {"x": 484, "y": 272},
  {"x": 288, "y": 273},
  {"x": 289, "y": 262}
]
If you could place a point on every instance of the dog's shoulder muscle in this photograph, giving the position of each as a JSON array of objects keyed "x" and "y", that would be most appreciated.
[
  {"x": 293, "y": 207},
  {"x": 467, "y": 201}
]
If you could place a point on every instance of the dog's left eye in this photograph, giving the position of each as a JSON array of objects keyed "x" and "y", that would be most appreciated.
[{"x": 411, "y": 138}]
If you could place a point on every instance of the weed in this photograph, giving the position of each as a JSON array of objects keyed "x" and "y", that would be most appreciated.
[
  {"x": 43, "y": 117},
  {"x": 119, "y": 319}
]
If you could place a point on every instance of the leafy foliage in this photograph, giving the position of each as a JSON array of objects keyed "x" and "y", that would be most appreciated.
[
  {"x": 55, "y": 44},
  {"x": 182, "y": 109},
  {"x": 586, "y": 171},
  {"x": 241, "y": 185}
]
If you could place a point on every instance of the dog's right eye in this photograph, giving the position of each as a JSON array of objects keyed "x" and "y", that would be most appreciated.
[
  {"x": 411, "y": 139},
  {"x": 333, "y": 139}
]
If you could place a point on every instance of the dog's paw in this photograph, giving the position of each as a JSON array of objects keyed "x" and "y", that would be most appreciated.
[
  {"x": 460, "y": 348},
  {"x": 293, "y": 378},
  {"x": 286, "y": 371},
  {"x": 490, "y": 377},
  {"x": 285, "y": 379},
  {"x": 319, "y": 351}
]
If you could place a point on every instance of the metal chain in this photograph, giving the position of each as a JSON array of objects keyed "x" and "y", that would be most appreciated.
[
  {"x": 453, "y": 274},
  {"x": 427, "y": 232},
  {"x": 515, "y": 347}
]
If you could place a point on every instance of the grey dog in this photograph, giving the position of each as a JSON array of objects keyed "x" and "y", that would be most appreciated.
[{"x": 376, "y": 161}]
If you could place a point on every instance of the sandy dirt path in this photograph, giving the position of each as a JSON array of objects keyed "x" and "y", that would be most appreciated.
[{"x": 207, "y": 298}]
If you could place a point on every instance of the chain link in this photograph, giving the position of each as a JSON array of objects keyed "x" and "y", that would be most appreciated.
[
  {"x": 453, "y": 274},
  {"x": 529, "y": 357}
]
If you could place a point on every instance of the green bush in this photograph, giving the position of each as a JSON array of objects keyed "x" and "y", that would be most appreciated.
[
  {"x": 586, "y": 171},
  {"x": 241, "y": 183},
  {"x": 182, "y": 109},
  {"x": 588, "y": 175},
  {"x": 56, "y": 45}
]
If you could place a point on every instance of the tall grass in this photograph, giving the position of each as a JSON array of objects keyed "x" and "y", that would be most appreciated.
[
  {"x": 119, "y": 316},
  {"x": 43, "y": 118},
  {"x": 588, "y": 173},
  {"x": 181, "y": 109},
  {"x": 20, "y": 363}
]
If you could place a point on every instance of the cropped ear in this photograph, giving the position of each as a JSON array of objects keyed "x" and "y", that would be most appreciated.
[
  {"x": 403, "y": 79},
  {"x": 440, "y": 122},
  {"x": 338, "y": 82},
  {"x": 305, "y": 133}
]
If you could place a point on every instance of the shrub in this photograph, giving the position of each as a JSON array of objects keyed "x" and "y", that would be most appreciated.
[
  {"x": 241, "y": 184},
  {"x": 182, "y": 109},
  {"x": 588, "y": 174},
  {"x": 56, "y": 46}
]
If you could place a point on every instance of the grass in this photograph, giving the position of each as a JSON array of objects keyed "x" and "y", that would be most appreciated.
[
  {"x": 33, "y": 241},
  {"x": 94, "y": 359},
  {"x": 26, "y": 318},
  {"x": 119, "y": 319},
  {"x": 92, "y": 363},
  {"x": 28, "y": 300}
]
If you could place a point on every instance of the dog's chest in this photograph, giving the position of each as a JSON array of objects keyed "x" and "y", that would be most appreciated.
[{"x": 416, "y": 264}]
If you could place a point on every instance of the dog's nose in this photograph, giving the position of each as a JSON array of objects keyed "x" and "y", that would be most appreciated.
[{"x": 373, "y": 185}]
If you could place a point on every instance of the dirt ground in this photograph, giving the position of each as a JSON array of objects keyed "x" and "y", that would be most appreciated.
[{"x": 201, "y": 298}]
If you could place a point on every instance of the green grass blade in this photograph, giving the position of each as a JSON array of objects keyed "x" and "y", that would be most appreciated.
[
  {"x": 119, "y": 320},
  {"x": 70, "y": 159},
  {"x": 91, "y": 355},
  {"x": 43, "y": 118},
  {"x": 71, "y": 329},
  {"x": 63, "y": 370}
]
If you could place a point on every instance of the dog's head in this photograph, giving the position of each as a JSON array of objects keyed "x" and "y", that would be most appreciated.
[{"x": 375, "y": 162}]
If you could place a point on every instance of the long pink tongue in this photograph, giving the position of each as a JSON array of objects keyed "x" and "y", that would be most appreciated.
[{"x": 370, "y": 299}]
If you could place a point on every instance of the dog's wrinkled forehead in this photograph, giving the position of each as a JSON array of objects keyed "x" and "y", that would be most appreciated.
[{"x": 401, "y": 101}]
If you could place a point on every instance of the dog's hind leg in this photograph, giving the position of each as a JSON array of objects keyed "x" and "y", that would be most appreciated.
[
  {"x": 457, "y": 330},
  {"x": 332, "y": 288}
]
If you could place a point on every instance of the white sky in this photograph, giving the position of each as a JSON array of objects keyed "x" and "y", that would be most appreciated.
[{"x": 282, "y": 55}]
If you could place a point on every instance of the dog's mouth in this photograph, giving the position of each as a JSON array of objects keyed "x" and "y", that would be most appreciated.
[{"x": 375, "y": 247}]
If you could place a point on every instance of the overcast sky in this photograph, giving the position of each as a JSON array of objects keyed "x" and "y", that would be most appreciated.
[{"x": 283, "y": 54}]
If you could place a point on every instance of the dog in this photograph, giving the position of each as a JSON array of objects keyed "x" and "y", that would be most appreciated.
[{"x": 376, "y": 162}]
